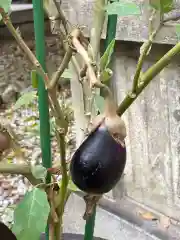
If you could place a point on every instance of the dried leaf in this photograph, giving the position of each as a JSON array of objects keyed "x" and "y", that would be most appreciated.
[{"x": 148, "y": 216}]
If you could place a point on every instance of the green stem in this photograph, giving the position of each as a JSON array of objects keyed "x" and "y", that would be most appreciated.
[
  {"x": 146, "y": 48},
  {"x": 142, "y": 57},
  {"x": 96, "y": 31},
  {"x": 93, "y": 52},
  {"x": 97, "y": 26},
  {"x": 148, "y": 76},
  {"x": 64, "y": 183},
  {"x": 22, "y": 169},
  {"x": 110, "y": 35},
  {"x": 38, "y": 13},
  {"x": 111, "y": 32},
  {"x": 62, "y": 67}
]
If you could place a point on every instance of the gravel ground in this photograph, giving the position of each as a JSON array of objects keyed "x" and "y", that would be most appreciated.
[{"x": 25, "y": 123}]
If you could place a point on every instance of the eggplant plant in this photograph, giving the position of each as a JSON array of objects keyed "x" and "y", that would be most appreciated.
[{"x": 98, "y": 163}]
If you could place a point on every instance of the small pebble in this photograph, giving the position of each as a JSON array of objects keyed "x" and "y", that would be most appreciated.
[{"x": 5, "y": 203}]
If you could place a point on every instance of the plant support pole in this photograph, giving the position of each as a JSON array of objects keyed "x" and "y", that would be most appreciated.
[
  {"x": 89, "y": 227},
  {"x": 38, "y": 13},
  {"x": 110, "y": 35},
  {"x": 111, "y": 29}
]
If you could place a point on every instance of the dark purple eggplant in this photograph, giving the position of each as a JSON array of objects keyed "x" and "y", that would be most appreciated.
[
  {"x": 97, "y": 165},
  {"x": 6, "y": 233}
]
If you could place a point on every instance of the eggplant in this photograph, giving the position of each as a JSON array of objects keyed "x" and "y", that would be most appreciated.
[
  {"x": 97, "y": 165},
  {"x": 6, "y": 233}
]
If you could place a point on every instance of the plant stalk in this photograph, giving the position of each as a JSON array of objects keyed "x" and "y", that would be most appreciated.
[
  {"x": 95, "y": 38},
  {"x": 64, "y": 183},
  {"x": 148, "y": 76},
  {"x": 146, "y": 47},
  {"x": 142, "y": 57},
  {"x": 97, "y": 27},
  {"x": 22, "y": 169},
  {"x": 62, "y": 67}
]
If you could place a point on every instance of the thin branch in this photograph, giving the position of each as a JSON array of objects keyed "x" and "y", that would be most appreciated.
[
  {"x": 53, "y": 103},
  {"x": 14, "y": 168},
  {"x": 81, "y": 50},
  {"x": 61, "y": 15},
  {"x": 94, "y": 81},
  {"x": 23, "y": 46},
  {"x": 174, "y": 17},
  {"x": 142, "y": 57},
  {"x": 148, "y": 76},
  {"x": 97, "y": 27},
  {"x": 14, "y": 143},
  {"x": 22, "y": 169},
  {"x": 64, "y": 182},
  {"x": 62, "y": 67},
  {"x": 146, "y": 48},
  {"x": 53, "y": 213},
  {"x": 63, "y": 36}
]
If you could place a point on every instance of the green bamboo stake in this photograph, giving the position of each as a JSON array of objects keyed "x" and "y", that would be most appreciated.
[
  {"x": 110, "y": 35},
  {"x": 111, "y": 29},
  {"x": 89, "y": 227},
  {"x": 38, "y": 13}
]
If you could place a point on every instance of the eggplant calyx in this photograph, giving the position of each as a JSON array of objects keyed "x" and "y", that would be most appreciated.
[
  {"x": 115, "y": 125},
  {"x": 97, "y": 121},
  {"x": 91, "y": 202},
  {"x": 117, "y": 129}
]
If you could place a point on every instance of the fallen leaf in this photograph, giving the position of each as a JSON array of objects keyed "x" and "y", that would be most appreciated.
[{"x": 148, "y": 216}]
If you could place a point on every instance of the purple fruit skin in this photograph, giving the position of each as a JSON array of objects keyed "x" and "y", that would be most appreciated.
[{"x": 98, "y": 164}]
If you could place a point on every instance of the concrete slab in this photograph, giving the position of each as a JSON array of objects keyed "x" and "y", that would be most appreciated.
[{"x": 108, "y": 226}]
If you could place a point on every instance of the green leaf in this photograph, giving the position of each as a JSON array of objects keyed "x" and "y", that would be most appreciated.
[
  {"x": 71, "y": 186},
  {"x": 164, "y": 6},
  {"x": 106, "y": 74},
  {"x": 67, "y": 73},
  {"x": 25, "y": 99},
  {"x": 5, "y": 4},
  {"x": 31, "y": 215},
  {"x": 39, "y": 172},
  {"x": 178, "y": 31},
  {"x": 122, "y": 8},
  {"x": 34, "y": 79},
  {"x": 99, "y": 102},
  {"x": 105, "y": 59}
]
